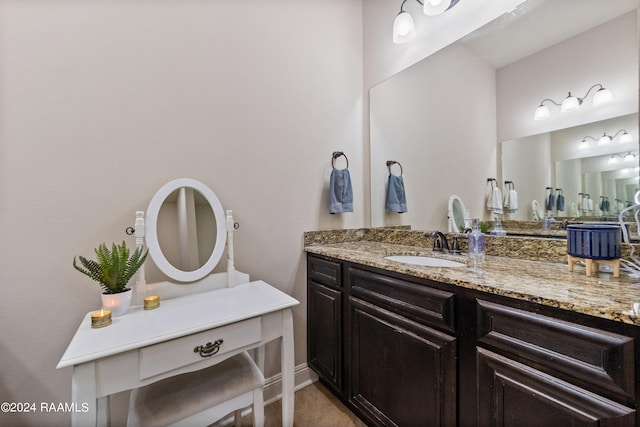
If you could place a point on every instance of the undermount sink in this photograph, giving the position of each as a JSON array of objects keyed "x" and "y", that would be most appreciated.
[{"x": 425, "y": 261}]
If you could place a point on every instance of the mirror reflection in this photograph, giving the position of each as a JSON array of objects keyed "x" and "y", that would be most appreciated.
[
  {"x": 444, "y": 117},
  {"x": 595, "y": 179},
  {"x": 186, "y": 229}
]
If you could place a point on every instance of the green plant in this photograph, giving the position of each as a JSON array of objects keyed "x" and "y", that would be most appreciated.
[{"x": 113, "y": 268}]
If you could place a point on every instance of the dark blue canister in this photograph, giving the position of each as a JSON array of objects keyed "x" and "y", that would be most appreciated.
[{"x": 594, "y": 241}]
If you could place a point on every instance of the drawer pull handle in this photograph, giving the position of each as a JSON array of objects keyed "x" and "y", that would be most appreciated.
[{"x": 209, "y": 349}]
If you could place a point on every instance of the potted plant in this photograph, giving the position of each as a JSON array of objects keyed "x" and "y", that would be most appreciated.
[{"x": 112, "y": 270}]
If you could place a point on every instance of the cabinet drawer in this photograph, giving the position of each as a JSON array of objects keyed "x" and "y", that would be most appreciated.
[
  {"x": 592, "y": 358},
  {"x": 324, "y": 271},
  {"x": 415, "y": 301},
  {"x": 166, "y": 356}
]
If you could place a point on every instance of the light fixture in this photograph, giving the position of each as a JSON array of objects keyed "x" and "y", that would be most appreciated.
[
  {"x": 571, "y": 103},
  {"x": 404, "y": 28},
  {"x": 435, "y": 7},
  {"x": 627, "y": 157},
  {"x": 606, "y": 139}
]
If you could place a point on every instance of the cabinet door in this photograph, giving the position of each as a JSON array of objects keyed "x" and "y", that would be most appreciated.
[
  {"x": 402, "y": 373},
  {"x": 324, "y": 332},
  {"x": 513, "y": 394}
]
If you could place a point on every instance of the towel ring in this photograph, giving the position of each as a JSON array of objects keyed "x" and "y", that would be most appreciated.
[
  {"x": 493, "y": 181},
  {"x": 337, "y": 154},
  {"x": 391, "y": 163}
]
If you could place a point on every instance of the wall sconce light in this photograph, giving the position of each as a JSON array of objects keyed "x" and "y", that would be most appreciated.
[
  {"x": 404, "y": 29},
  {"x": 607, "y": 139},
  {"x": 601, "y": 97}
]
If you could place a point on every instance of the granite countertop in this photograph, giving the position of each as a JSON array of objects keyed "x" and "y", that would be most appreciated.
[{"x": 546, "y": 283}]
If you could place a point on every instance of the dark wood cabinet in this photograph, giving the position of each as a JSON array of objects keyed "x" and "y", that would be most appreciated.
[
  {"x": 324, "y": 321},
  {"x": 406, "y": 351},
  {"x": 400, "y": 371},
  {"x": 514, "y": 394}
]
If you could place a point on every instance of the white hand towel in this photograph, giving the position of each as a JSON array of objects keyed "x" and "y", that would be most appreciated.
[
  {"x": 574, "y": 210},
  {"x": 494, "y": 201},
  {"x": 513, "y": 201}
]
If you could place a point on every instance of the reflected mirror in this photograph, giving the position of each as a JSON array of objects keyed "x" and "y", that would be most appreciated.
[
  {"x": 444, "y": 118},
  {"x": 595, "y": 179},
  {"x": 185, "y": 230},
  {"x": 457, "y": 215}
]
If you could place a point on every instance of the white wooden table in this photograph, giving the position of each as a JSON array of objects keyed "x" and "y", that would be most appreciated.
[{"x": 145, "y": 346}]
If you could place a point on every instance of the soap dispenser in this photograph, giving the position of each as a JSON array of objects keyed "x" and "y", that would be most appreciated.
[
  {"x": 497, "y": 229},
  {"x": 477, "y": 244}
]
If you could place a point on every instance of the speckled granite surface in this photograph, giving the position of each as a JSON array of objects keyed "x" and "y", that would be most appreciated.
[{"x": 545, "y": 282}]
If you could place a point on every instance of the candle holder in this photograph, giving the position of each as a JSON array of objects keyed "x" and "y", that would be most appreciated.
[
  {"x": 151, "y": 302},
  {"x": 101, "y": 318}
]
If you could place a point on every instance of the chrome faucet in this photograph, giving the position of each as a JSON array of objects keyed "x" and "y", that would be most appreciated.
[{"x": 440, "y": 243}]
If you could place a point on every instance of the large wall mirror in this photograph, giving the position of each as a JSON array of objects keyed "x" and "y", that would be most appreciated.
[{"x": 465, "y": 114}]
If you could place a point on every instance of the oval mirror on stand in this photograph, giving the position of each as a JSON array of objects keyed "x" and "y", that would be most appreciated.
[
  {"x": 185, "y": 229},
  {"x": 457, "y": 215}
]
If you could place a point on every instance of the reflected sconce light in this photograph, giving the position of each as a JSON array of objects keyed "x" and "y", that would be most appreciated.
[
  {"x": 404, "y": 29},
  {"x": 628, "y": 157},
  {"x": 601, "y": 97},
  {"x": 606, "y": 139}
]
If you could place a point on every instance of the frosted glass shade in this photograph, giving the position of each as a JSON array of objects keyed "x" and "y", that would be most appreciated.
[
  {"x": 542, "y": 112},
  {"x": 403, "y": 28},
  {"x": 626, "y": 138},
  {"x": 629, "y": 157},
  {"x": 604, "y": 140},
  {"x": 570, "y": 103},
  {"x": 435, "y": 7},
  {"x": 602, "y": 97}
]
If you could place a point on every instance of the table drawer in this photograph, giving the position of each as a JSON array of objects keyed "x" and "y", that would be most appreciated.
[{"x": 166, "y": 356}]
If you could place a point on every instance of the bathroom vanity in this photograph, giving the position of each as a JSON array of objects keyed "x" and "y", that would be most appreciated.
[
  {"x": 515, "y": 342},
  {"x": 147, "y": 346}
]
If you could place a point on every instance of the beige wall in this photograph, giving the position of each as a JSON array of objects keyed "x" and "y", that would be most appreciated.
[{"x": 102, "y": 102}]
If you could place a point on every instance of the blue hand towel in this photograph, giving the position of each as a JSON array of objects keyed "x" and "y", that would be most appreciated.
[
  {"x": 551, "y": 203},
  {"x": 560, "y": 202},
  {"x": 396, "y": 197},
  {"x": 340, "y": 192}
]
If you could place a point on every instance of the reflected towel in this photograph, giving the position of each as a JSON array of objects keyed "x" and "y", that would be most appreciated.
[
  {"x": 510, "y": 200},
  {"x": 396, "y": 196},
  {"x": 340, "y": 192},
  {"x": 551, "y": 202},
  {"x": 574, "y": 210},
  {"x": 560, "y": 202},
  {"x": 494, "y": 201}
]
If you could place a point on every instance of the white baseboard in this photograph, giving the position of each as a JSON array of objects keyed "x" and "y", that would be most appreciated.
[{"x": 303, "y": 375}]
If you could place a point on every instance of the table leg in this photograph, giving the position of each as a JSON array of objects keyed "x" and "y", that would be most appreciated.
[
  {"x": 83, "y": 390},
  {"x": 288, "y": 368}
]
